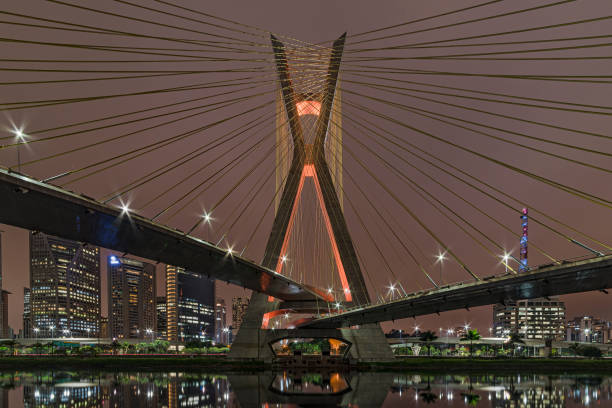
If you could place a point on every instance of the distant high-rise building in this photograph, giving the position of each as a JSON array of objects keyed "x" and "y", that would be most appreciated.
[
  {"x": 64, "y": 286},
  {"x": 4, "y": 327},
  {"x": 104, "y": 327},
  {"x": 531, "y": 318},
  {"x": 162, "y": 317},
  {"x": 589, "y": 329},
  {"x": 221, "y": 330},
  {"x": 4, "y": 309},
  {"x": 131, "y": 298},
  {"x": 190, "y": 299},
  {"x": 3, "y": 323},
  {"x": 239, "y": 307},
  {"x": 27, "y": 314}
]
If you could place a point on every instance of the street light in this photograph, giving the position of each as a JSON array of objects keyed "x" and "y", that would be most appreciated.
[
  {"x": 440, "y": 259},
  {"x": 36, "y": 333},
  {"x": 20, "y": 136},
  {"x": 149, "y": 331},
  {"x": 505, "y": 260}
]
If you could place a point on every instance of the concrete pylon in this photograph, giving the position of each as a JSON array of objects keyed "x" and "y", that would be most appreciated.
[{"x": 308, "y": 161}]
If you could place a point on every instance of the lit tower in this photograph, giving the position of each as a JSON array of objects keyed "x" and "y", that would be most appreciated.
[{"x": 524, "y": 221}]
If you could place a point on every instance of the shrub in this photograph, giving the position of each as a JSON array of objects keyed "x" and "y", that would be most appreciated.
[{"x": 590, "y": 351}]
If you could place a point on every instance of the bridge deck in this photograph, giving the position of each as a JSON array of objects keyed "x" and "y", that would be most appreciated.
[
  {"x": 38, "y": 206},
  {"x": 550, "y": 280}
]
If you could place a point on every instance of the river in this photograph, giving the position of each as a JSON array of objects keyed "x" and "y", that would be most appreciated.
[{"x": 287, "y": 389}]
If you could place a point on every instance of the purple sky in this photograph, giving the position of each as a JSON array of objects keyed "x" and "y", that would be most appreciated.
[{"x": 320, "y": 22}]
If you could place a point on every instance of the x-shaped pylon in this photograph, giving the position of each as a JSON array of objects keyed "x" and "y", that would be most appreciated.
[{"x": 309, "y": 161}]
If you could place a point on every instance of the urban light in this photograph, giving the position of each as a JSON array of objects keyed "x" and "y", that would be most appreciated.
[
  {"x": 20, "y": 136},
  {"x": 125, "y": 209},
  {"x": 230, "y": 251},
  {"x": 440, "y": 259},
  {"x": 505, "y": 260},
  {"x": 207, "y": 217},
  {"x": 284, "y": 259}
]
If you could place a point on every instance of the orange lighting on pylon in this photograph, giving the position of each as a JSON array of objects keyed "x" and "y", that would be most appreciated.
[
  {"x": 308, "y": 108},
  {"x": 310, "y": 171}
]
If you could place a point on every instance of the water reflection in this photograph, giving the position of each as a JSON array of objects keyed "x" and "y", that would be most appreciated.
[{"x": 292, "y": 389}]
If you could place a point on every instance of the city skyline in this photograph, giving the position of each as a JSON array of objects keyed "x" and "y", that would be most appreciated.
[{"x": 593, "y": 303}]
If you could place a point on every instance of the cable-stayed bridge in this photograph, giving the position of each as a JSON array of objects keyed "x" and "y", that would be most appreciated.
[{"x": 367, "y": 175}]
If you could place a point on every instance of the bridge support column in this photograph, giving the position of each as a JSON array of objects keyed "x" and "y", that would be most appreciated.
[{"x": 253, "y": 341}]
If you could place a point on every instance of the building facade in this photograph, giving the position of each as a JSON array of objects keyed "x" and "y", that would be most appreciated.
[
  {"x": 239, "y": 308},
  {"x": 104, "y": 327},
  {"x": 532, "y": 319},
  {"x": 588, "y": 329},
  {"x": 190, "y": 300},
  {"x": 221, "y": 329},
  {"x": 131, "y": 298},
  {"x": 64, "y": 287},
  {"x": 27, "y": 314},
  {"x": 162, "y": 317},
  {"x": 5, "y": 330}
]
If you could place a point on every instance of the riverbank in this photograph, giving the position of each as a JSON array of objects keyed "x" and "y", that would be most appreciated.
[
  {"x": 130, "y": 363},
  {"x": 222, "y": 364},
  {"x": 491, "y": 365}
]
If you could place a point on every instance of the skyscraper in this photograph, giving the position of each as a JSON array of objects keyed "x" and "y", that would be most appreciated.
[
  {"x": 162, "y": 316},
  {"x": 64, "y": 286},
  {"x": 239, "y": 307},
  {"x": 3, "y": 301},
  {"x": 190, "y": 301},
  {"x": 221, "y": 332},
  {"x": 531, "y": 318},
  {"x": 131, "y": 298},
  {"x": 27, "y": 314},
  {"x": 4, "y": 307}
]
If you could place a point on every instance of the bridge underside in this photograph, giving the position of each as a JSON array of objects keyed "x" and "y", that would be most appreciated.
[
  {"x": 574, "y": 277},
  {"x": 37, "y": 206}
]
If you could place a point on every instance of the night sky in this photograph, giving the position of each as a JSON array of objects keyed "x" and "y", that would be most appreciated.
[{"x": 321, "y": 22}]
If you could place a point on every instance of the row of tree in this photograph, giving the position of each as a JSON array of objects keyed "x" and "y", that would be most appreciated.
[{"x": 514, "y": 342}]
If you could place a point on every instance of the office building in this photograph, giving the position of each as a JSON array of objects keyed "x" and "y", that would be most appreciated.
[
  {"x": 104, "y": 327},
  {"x": 131, "y": 298},
  {"x": 588, "y": 329},
  {"x": 239, "y": 308},
  {"x": 162, "y": 317},
  {"x": 64, "y": 287},
  {"x": 190, "y": 299},
  {"x": 27, "y": 315},
  {"x": 221, "y": 329},
  {"x": 532, "y": 319},
  {"x": 4, "y": 310},
  {"x": 3, "y": 305}
]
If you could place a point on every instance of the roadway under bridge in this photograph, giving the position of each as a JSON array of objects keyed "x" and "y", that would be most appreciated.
[
  {"x": 549, "y": 280},
  {"x": 38, "y": 206}
]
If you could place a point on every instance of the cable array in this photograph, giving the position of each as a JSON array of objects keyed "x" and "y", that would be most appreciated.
[{"x": 443, "y": 128}]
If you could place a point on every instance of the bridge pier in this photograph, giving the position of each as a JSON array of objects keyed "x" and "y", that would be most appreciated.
[{"x": 366, "y": 343}]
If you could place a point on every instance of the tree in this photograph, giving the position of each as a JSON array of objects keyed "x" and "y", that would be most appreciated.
[
  {"x": 115, "y": 346},
  {"x": 590, "y": 351},
  {"x": 470, "y": 336},
  {"x": 11, "y": 345},
  {"x": 575, "y": 349},
  {"x": 428, "y": 337},
  {"x": 515, "y": 339}
]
